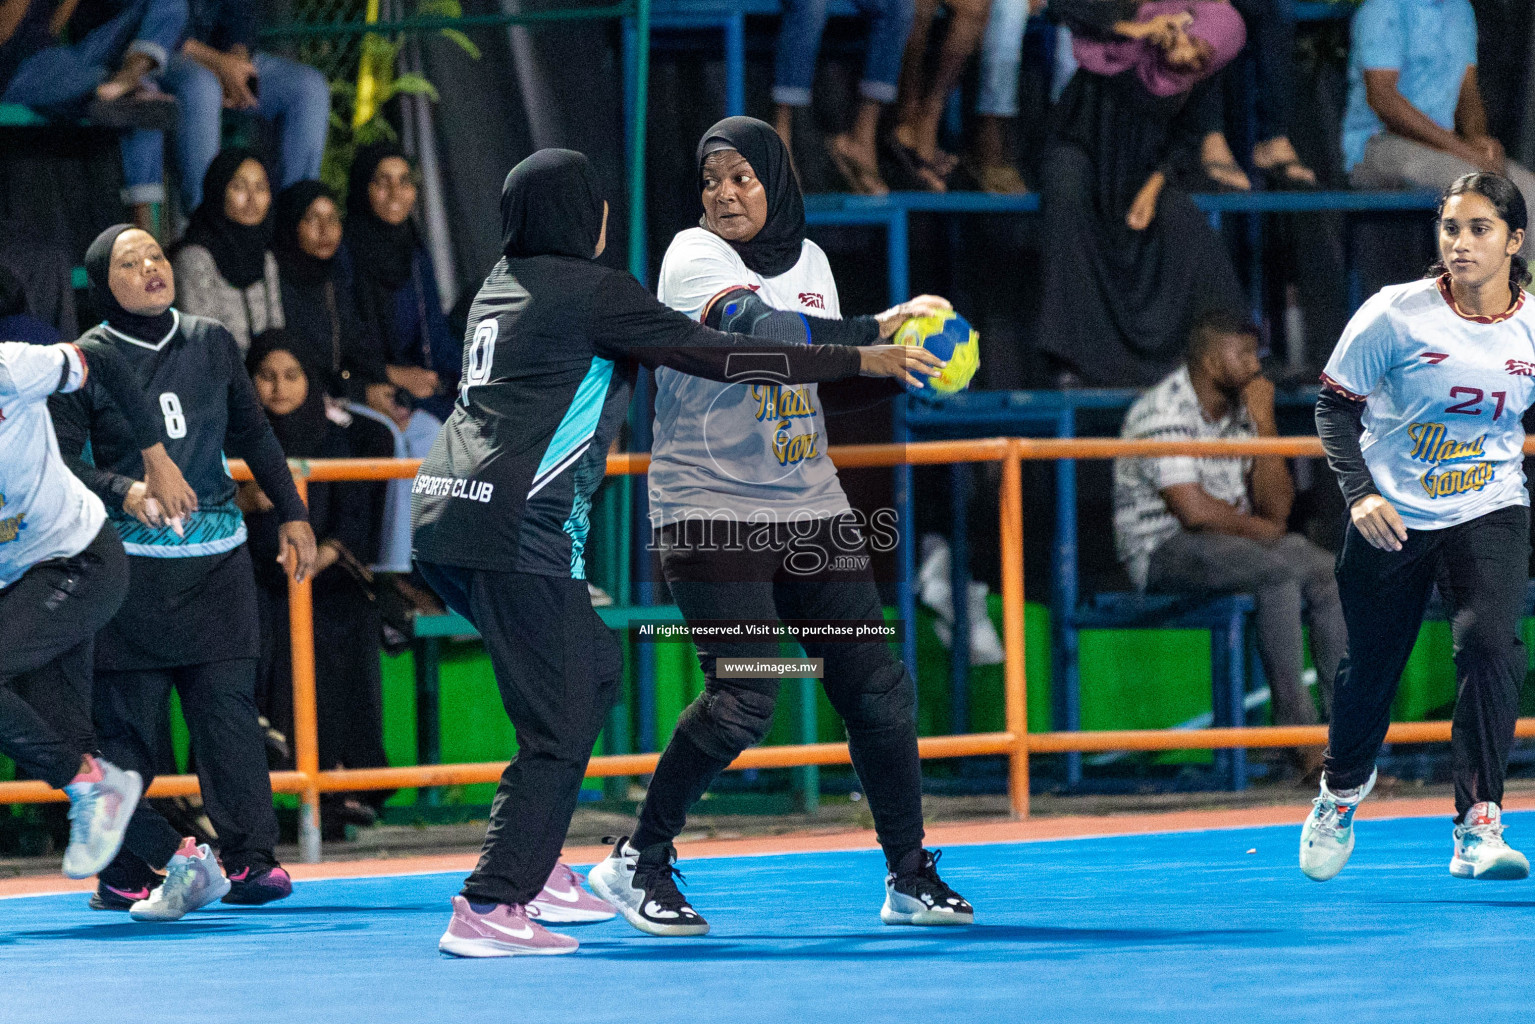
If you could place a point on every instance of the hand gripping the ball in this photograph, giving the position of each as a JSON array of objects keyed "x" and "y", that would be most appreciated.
[{"x": 899, "y": 361}]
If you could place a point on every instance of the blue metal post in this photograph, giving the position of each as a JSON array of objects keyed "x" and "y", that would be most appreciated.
[
  {"x": 897, "y": 257},
  {"x": 735, "y": 64},
  {"x": 906, "y": 559},
  {"x": 1068, "y": 688}
]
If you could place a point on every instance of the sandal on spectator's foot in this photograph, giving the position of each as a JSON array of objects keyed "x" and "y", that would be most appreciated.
[
  {"x": 922, "y": 173},
  {"x": 998, "y": 179},
  {"x": 861, "y": 178},
  {"x": 1226, "y": 176},
  {"x": 1288, "y": 176},
  {"x": 146, "y": 107}
]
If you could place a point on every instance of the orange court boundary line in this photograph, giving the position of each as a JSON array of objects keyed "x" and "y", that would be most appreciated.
[{"x": 1028, "y": 830}]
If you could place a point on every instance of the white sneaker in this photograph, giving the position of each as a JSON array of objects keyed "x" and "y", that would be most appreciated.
[
  {"x": 193, "y": 879},
  {"x": 100, "y": 803},
  {"x": 1480, "y": 851},
  {"x": 1327, "y": 837},
  {"x": 646, "y": 892}
]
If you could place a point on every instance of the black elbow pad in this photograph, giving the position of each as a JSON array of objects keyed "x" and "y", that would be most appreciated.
[{"x": 742, "y": 311}]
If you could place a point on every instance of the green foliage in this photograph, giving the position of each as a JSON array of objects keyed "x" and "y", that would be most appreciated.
[{"x": 382, "y": 55}]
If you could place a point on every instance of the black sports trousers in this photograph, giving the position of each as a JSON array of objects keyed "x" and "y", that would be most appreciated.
[
  {"x": 781, "y": 573},
  {"x": 558, "y": 667},
  {"x": 1481, "y": 567},
  {"x": 202, "y": 629},
  {"x": 48, "y": 621}
]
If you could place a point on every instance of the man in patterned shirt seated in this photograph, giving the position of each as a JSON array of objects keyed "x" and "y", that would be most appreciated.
[{"x": 1219, "y": 525}]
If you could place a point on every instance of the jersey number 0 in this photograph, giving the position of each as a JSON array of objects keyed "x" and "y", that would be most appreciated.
[{"x": 482, "y": 353}]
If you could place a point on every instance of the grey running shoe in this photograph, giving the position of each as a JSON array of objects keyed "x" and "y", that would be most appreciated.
[
  {"x": 1481, "y": 851},
  {"x": 100, "y": 803},
  {"x": 193, "y": 879}
]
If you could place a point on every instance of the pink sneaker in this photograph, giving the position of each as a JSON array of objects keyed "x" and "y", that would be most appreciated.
[
  {"x": 563, "y": 901},
  {"x": 499, "y": 929}
]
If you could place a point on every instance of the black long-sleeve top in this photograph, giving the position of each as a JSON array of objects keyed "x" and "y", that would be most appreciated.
[
  {"x": 1340, "y": 426},
  {"x": 208, "y": 408},
  {"x": 550, "y": 357}
]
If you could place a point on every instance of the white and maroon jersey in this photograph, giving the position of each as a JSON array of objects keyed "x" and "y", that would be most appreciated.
[
  {"x": 45, "y": 511},
  {"x": 748, "y": 452},
  {"x": 1443, "y": 394}
]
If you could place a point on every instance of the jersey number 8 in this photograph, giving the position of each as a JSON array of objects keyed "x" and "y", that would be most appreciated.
[{"x": 175, "y": 419}]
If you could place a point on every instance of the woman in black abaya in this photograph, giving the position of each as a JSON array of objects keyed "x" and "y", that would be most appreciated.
[{"x": 1130, "y": 260}]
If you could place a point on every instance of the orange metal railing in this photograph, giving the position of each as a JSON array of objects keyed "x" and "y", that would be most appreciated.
[{"x": 1016, "y": 743}]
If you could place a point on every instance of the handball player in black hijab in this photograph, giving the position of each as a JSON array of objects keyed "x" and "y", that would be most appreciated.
[
  {"x": 500, "y": 507},
  {"x": 756, "y": 457},
  {"x": 189, "y": 620}
]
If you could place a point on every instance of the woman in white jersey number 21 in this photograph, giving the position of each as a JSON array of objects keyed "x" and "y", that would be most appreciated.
[
  {"x": 1420, "y": 417},
  {"x": 751, "y": 520}
]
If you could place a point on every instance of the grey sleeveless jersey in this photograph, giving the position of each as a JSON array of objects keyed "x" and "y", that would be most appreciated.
[{"x": 745, "y": 451}]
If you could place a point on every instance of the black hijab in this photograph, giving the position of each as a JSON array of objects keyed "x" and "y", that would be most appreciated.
[
  {"x": 381, "y": 252},
  {"x": 293, "y": 263},
  {"x": 98, "y": 269},
  {"x": 239, "y": 251},
  {"x": 551, "y": 205},
  {"x": 301, "y": 432},
  {"x": 776, "y": 248}
]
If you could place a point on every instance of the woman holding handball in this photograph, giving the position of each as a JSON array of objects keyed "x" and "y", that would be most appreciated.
[
  {"x": 746, "y": 503},
  {"x": 1420, "y": 417}
]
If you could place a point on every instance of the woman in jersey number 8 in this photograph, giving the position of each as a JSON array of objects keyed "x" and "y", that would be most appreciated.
[
  {"x": 751, "y": 455},
  {"x": 1420, "y": 417}
]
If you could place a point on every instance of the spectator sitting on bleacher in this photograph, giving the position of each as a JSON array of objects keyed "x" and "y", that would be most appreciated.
[
  {"x": 16, "y": 321},
  {"x": 108, "y": 74},
  {"x": 915, "y": 139},
  {"x": 218, "y": 69},
  {"x": 1129, "y": 260},
  {"x": 1218, "y": 525},
  {"x": 1001, "y": 53},
  {"x": 348, "y": 682},
  {"x": 854, "y": 152},
  {"x": 321, "y": 316},
  {"x": 1415, "y": 117},
  {"x": 395, "y": 286},
  {"x": 224, "y": 268}
]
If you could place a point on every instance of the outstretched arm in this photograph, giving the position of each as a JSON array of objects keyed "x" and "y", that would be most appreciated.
[{"x": 628, "y": 322}]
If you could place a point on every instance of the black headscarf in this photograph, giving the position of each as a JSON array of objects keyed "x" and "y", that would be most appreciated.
[
  {"x": 301, "y": 432},
  {"x": 380, "y": 252},
  {"x": 293, "y": 204},
  {"x": 238, "y": 250},
  {"x": 551, "y": 205},
  {"x": 98, "y": 269},
  {"x": 776, "y": 248}
]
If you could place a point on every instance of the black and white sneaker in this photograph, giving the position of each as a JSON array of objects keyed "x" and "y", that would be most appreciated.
[
  {"x": 642, "y": 885},
  {"x": 914, "y": 894}
]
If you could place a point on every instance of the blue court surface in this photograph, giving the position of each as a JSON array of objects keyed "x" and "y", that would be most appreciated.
[{"x": 1169, "y": 927}]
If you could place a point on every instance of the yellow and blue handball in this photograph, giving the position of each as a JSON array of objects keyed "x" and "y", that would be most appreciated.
[{"x": 950, "y": 337}]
